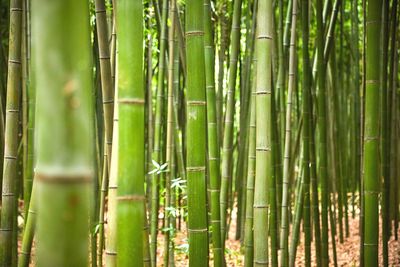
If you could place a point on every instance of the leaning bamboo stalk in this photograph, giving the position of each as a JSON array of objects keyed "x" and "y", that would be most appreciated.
[
  {"x": 288, "y": 129},
  {"x": 29, "y": 231},
  {"x": 108, "y": 109},
  {"x": 106, "y": 79},
  {"x": 111, "y": 245}
]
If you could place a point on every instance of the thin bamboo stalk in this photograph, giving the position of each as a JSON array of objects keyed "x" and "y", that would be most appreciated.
[
  {"x": 227, "y": 144},
  {"x": 9, "y": 188},
  {"x": 213, "y": 144}
]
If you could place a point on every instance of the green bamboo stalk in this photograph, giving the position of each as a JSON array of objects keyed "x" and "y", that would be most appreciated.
[
  {"x": 111, "y": 240},
  {"x": 245, "y": 110},
  {"x": 263, "y": 130},
  {"x": 157, "y": 156},
  {"x": 339, "y": 160},
  {"x": 227, "y": 144},
  {"x": 248, "y": 234},
  {"x": 362, "y": 134},
  {"x": 28, "y": 109},
  {"x": 306, "y": 132},
  {"x": 108, "y": 106},
  {"x": 371, "y": 131},
  {"x": 357, "y": 116},
  {"x": 314, "y": 194},
  {"x": 196, "y": 134},
  {"x": 321, "y": 126},
  {"x": 104, "y": 185},
  {"x": 224, "y": 43},
  {"x": 29, "y": 231},
  {"x": 170, "y": 148},
  {"x": 131, "y": 154},
  {"x": 213, "y": 144},
  {"x": 9, "y": 190},
  {"x": 287, "y": 28},
  {"x": 149, "y": 105},
  {"x": 280, "y": 84},
  {"x": 391, "y": 85},
  {"x": 105, "y": 69},
  {"x": 332, "y": 220},
  {"x": 178, "y": 136},
  {"x": 299, "y": 206},
  {"x": 272, "y": 182},
  {"x": 394, "y": 132},
  {"x": 284, "y": 233},
  {"x": 64, "y": 167}
]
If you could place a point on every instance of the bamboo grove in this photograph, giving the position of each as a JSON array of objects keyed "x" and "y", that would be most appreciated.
[{"x": 161, "y": 132}]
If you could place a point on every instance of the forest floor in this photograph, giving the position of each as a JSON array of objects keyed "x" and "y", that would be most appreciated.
[{"x": 347, "y": 252}]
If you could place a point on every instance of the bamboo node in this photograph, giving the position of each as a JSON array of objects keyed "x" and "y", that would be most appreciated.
[
  {"x": 13, "y": 110},
  {"x": 55, "y": 178},
  {"x": 131, "y": 101},
  {"x": 260, "y": 206},
  {"x": 194, "y": 33},
  {"x": 371, "y": 244},
  {"x": 264, "y": 36},
  {"x": 196, "y": 103},
  {"x": 214, "y": 190},
  {"x": 111, "y": 253},
  {"x": 372, "y": 81},
  {"x": 131, "y": 198},
  {"x": 15, "y": 61},
  {"x": 261, "y": 262},
  {"x": 370, "y": 138},
  {"x": 196, "y": 169},
  {"x": 203, "y": 230},
  {"x": 263, "y": 92},
  {"x": 263, "y": 149}
]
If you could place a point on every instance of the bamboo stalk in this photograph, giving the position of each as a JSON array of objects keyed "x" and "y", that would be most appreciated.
[
  {"x": 213, "y": 144},
  {"x": 9, "y": 188},
  {"x": 196, "y": 134},
  {"x": 371, "y": 131},
  {"x": 64, "y": 168},
  {"x": 263, "y": 130},
  {"x": 131, "y": 154}
]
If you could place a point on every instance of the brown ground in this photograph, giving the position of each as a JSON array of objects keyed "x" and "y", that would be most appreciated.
[{"x": 347, "y": 252}]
